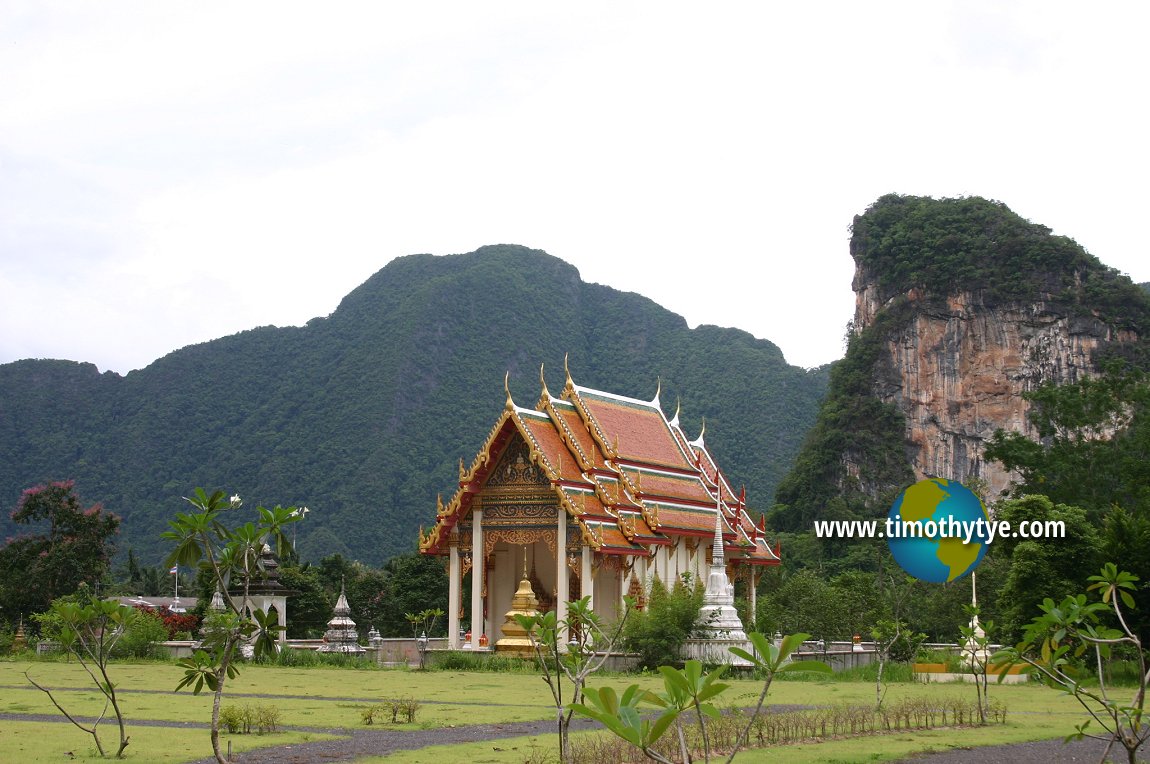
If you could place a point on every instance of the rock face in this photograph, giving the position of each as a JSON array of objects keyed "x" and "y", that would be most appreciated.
[
  {"x": 962, "y": 307},
  {"x": 957, "y": 368}
]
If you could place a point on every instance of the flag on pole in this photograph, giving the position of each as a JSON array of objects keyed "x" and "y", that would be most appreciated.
[{"x": 175, "y": 570}]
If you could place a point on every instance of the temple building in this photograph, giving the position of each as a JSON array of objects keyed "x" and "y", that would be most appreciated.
[{"x": 588, "y": 494}]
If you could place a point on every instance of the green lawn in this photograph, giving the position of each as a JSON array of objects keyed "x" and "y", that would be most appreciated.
[{"x": 333, "y": 698}]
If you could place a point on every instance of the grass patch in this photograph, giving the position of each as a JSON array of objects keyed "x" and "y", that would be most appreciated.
[
  {"x": 333, "y": 698},
  {"x": 43, "y": 742},
  {"x": 1035, "y": 713}
]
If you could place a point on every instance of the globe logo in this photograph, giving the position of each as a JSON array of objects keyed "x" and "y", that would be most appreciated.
[{"x": 937, "y": 530}]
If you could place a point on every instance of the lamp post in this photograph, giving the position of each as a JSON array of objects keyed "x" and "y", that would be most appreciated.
[{"x": 421, "y": 644}]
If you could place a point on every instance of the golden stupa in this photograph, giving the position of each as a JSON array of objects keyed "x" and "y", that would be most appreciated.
[{"x": 515, "y": 640}]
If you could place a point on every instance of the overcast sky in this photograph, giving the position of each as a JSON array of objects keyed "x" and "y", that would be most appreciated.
[{"x": 171, "y": 173}]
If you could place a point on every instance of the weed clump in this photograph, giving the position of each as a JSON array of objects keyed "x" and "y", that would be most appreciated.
[
  {"x": 241, "y": 720},
  {"x": 405, "y": 707}
]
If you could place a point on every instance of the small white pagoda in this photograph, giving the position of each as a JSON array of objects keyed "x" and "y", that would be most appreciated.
[
  {"x": 341, "y": 635},
  {"x": 721, "y": 628}
]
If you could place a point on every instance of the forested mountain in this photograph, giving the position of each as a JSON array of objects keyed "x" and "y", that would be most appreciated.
[{"x": 364, "y": 415}]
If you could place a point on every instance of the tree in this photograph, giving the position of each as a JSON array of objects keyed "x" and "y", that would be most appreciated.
[
  {"x": 590, "y": 647},
  {"x": 772, "y": 659},
  {"x": 233, "y": 558},
  {"x": 421, "y": 623},
  {"x": 76, "y": 547},
  {"x": 689, "y": 689},
  {"x": 1068, "y": 643},
  {"x": 311, "y": 606},
  {"x": 1050, "y": 566},
  {"x": 684, "y": 690},
  {"x": 657, "y": 633},
  {"x": 976, "y": 644},
  {"x": 89, "y": 631},
  {"x": 1126, "y": 537},
  {"x": 1094, "y": 447},
  {"x": 412, "y": 583},
  {"x": 806, "y": 599}
]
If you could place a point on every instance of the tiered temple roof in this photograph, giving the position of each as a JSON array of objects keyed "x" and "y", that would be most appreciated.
[{"x": 628, "y": 476}]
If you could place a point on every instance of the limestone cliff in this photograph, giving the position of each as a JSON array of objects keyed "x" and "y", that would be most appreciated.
[
  {"x": 961, "y": 307},
  {"x": 956, "y": 369}
]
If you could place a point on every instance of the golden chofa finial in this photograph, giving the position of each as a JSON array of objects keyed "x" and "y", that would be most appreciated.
[
  {"x": 544, "y": 393},
  {"x": 567, "y": 371},
  {"x": 510, "y": 405}
]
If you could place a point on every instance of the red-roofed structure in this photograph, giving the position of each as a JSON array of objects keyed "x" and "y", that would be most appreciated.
[{"x": 597, "y": 494}]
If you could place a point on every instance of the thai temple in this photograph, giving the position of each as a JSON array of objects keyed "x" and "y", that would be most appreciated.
[{"x": 587, "y": 494}]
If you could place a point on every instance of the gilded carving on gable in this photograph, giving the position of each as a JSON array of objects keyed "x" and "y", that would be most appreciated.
[
  {"x": 515, "y": 470},
  {"x": 520, "y": 537},
  {"x": 514, "y": 514}
]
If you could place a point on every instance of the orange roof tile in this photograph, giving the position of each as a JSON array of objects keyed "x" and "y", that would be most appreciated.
[
  {"x": 657, "y": 486},
  {"x": 572, "y": 424},
  {"x": 551, "y": 445},
  {"x": 638, "y": 429},
  {"x": 687, "y": 488}
]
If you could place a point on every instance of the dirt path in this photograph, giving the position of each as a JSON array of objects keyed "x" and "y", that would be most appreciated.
[
  {"x": 358, "y": 742},
  {"x": 1038, "y": 752},
  {"x": 380, "y": 742}
]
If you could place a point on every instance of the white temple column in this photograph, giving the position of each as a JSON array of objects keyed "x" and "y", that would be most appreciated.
[
  {"x": 281, "y": 612},
  {"x": 754, "y": 598},
  {"x": 586, "y": 577},
  {"x": 562, "y": 583},
  {"x": 453, "y": 593},
  {"x": 478, "y": 571},
  {"x": 622, "y": 580}
]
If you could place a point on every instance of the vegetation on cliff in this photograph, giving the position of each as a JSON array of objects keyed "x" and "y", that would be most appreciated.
[
  {"x": 945, "y": 246},
  {"x": 1093, "y": 459},
  {"x": 853, "y": 424},
  {"x": 364, "y": 415}
]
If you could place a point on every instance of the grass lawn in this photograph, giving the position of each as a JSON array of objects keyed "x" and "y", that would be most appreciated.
[
  {"x": 36, "y": 742},
  {"x": 333, "y": 698},
  {"x": 1033, "y": 713}
]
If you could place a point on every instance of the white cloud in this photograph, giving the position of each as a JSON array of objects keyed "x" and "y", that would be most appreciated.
[{"x": 175, "y": 173}]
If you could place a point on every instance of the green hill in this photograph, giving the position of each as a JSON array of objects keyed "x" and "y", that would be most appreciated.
[{"x": 364, "y": 415}]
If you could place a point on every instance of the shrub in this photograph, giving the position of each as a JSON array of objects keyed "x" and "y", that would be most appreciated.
[
  {"x": 233, "y": 719},
  {"x": 906, "y": 646},
  {"x": 175, "y": 623},
  {"x": 298, "y": 658},
  {"x": 141, "y": 635},
  {"x": 799, "y": 726},
  {"x": 267, "y": 719},
  {"x": 461, "y": 660},
  {"x": 242, "y": 719},
  {"x": 395, "y": 708},
  {"x": 658, "y": 633}
]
